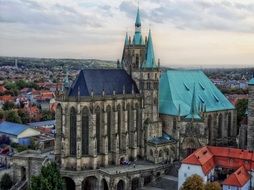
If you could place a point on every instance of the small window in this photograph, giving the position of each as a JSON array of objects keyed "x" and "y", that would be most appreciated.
[
  {"x": 201, "y": 85},
  {"x": 216, "y": 98},
  {"x": 185, "y": 175},
  {"x": 148, "y": 75},
  {"x": 188, "y": 167},
  {"x": 187, "y": 88}
]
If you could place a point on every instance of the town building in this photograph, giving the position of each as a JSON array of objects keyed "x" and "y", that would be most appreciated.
[
  {"x": 18, "y": 133},
  {"x": 216, "y": 163},
  {"x": 239, "y": 180},
  {"x": 246, "y": 130},
  {"x": 250, "y": 130}
]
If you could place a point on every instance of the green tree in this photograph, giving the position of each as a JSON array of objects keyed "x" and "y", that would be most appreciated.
[
  {"x": 11, "y": 86},
  {"x": 47, "y": 115},
  {"x": 48, "y": 179},
  {"x": 12, "y": 116},
  {"x": 1, "y": 114},
  {"x": 241, "y": 107},
  {"x": 194, "y": 182},
  {"x": 8, "y": 105},
  {"x": 24, "y": 116},
  {"x": 6, "y": 182},
  {"x": 212, "y": 186}
]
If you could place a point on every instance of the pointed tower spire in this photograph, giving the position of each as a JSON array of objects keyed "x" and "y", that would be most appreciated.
[
  {"x": 66, "y": 83},
  {"x": 138, "y": 20},
  {"x": 194, "y": 114},
  {"x": 126, "y": 41},
  {"x": 137, "y": 39},
  {"x": 150, "y": 58}
]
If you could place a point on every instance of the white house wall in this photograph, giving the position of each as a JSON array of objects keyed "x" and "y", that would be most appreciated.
[
  {"x": 245, "y": 187},
  {"x": 187, "y": 170},
  {"x": 28, "y": 133}
]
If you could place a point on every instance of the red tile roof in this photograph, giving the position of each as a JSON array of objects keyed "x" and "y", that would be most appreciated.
[
  {"x": 6, "y": 98},
  {"x": 239, "y": 178},
  {"x": 201, "y": 157},
  {"x": 2, "y": 89},
  {"x": 208, "y": 157}
]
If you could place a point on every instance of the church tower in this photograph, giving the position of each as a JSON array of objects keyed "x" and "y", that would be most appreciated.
[
  {"x": 139, "y": 61},
  {"x": 250, "y": 132}
]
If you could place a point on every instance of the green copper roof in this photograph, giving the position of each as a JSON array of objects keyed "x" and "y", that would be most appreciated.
[
  {"x": 251, "y": 81},
  {"x": 138, "y": 20},
  {"x": 150, "y": 58},
  {"x": 194, "y": 114},
  {"x": 176, "y": 92},
  {"x": 137, "y": 39},
  {"x": 126, "y": 41}
]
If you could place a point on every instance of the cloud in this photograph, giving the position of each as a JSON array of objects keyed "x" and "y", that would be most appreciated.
[
  {"x": 38, "y": 13},
  {"x": 235, "y": 16}
]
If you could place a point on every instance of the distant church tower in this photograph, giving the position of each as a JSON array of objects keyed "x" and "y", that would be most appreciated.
[
  {"x": 250, "y": 136},
  {"x": 139, "y": 61}
]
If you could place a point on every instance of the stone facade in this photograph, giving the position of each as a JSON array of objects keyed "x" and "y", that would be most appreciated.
[
  {"x": 250, "y": 131},
  {"x": 126, "y": 143},
  {"x": 215, "y": 128},
  {"x": 246, "y": 130}
]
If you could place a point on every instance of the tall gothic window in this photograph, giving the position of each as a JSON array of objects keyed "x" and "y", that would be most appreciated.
[
  {"x": 109, "y": 118},
  {"x": 229, "y": 124},
  {"x": 119, "y": 127},
  {"x": 174, "y": 124},
  {"x": 209, "y": 125},
  {"x": 98, "y": 129},
  {"x": 129, "y": 123},
  {"x": 59, "y": 125},
  {"x": 137, "y": 61},
  {"x": 137, "y": 126},
  {"x": 85, "y": 131},
  {"x": 220, "y": 129},
  {"x": 73, "y": 132}
]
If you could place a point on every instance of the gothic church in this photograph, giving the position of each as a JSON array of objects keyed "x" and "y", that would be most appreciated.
[{"x": 108, "y": 117}]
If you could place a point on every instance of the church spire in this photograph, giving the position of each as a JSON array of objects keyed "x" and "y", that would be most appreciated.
[
  {"x": 138, "y": 20},
  {"x": 150, "y": 58},
  {"x": 126, "y": 41},
  {"x": 137, "y": 39}
]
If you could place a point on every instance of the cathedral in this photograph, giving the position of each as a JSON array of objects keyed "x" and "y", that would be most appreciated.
[{"x": 111, "y": 117}]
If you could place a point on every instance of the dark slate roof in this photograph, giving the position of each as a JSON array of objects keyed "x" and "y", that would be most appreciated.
[
  {"x": 165, "y": 138},
  {"x": 97, "y": 80},
  {"x": 42, "y": 123}
]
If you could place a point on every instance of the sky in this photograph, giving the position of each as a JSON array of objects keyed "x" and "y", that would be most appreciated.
[{"x": 186, "y": 33}]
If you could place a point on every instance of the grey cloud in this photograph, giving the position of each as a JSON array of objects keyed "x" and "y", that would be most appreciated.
[
  {"x": 32, "y": 13},
  {"x": 198, "y": 14}
]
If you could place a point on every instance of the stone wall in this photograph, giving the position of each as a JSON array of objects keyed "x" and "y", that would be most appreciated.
[
  {"x": 250, "y": 136},
  {"x": 124, "y": 144}
]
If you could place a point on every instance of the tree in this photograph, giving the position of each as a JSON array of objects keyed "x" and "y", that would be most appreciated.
[
  {"x": 6, "y": 182},
  {"x": 24, "y": 116},
  {"x": 194, "y": 182},
  {"x": 8, "y": 105},
  {"x": 212, "y": 186},
  {"x": 12, "y": 116},
  {"x": 241, "y": 107},
  {"x": 1, "y": 115},
  {"x": 48, "y": 179},
  {"x": 47, "y": 115}
]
